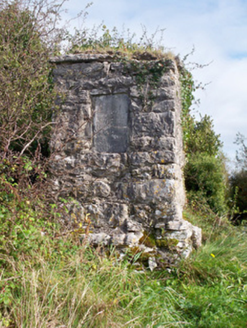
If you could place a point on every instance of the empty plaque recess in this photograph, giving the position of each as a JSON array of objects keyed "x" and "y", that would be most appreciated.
[{"x": 111, "y": 132}]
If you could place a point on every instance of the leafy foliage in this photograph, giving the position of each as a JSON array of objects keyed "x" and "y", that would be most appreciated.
[
  {"x": 238, "y": 179},
  {"x": 26, "y": 93},
  {"x": 202, "y": 138},
  {"x": 204, "y": 172},
  {"x": 238, "y": 182},
  {"x": 204, "y": 175},
  {"x": 124, "y": 43}
]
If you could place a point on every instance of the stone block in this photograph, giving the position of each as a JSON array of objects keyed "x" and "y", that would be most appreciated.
[
  {"x": 164, "y": 106},
  {"x": 101, "y": 189},
  {"x": 149, "y": 158},
  {"x": 147, "y": 144},
  {"x": 98, "y": 163},
  {"x": 108, "y": 214},
  {"x": 132, "y": 226},
  {"x": 148, "y": 192},
  {"x": 165, "y": 212},
  {"x": 86, "y": 70},
  {"x": 196, "y": 237},
  {"x": 100, "y": 91},
  {"x": 166, "y": 93},
  {"x": 118, "y": 239},
  {"x": 168, "y": 80},
  {"x": 85, "y": 112},
  {"x": 154, "y": 125},
  {"x": 169, "y": 171},
  {"x": 83, "y": 95},
  {"x": 144, "y": 173},
  {"x": 132, "y": 238},
  {"x": 97, "y": 239},
  {"x": 178, "y": 225}
]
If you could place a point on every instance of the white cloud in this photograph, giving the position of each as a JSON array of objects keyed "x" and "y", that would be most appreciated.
[{"x": 217, "y": 29}]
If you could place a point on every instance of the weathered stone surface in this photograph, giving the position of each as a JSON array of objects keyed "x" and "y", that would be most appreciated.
[
  {"x": 196, "y": 237},
  {"x": 146, "y": 144},
  {"x": 97, "y": 239},
  {"x": 178, "y": 225},
  {"x": 164, "y": 106},
  {"x": 81, "y": 58},
  {"x": 133, "y": 226},
  {"x": 154, "y": 124},
  {"x": 120, "y": 155},
  {"x": 106, "y": 214},
  {"x": 166, "y": 212},
  {"x": 154, "y": 191},
  {"x": 98, "y": 163},
  {"x": 169, "y": 171},
  {"x": 101, "y": 189},
  {"x": 152, "y": 264},
  {"x": 152, "y": 157},
  {"x": 133, "y": 238},
  {"x": 165, "y": 93},
  {"x": 75, "y": 211},
  {"x": 147, "y": 192},
  {"x": 111, "y": 132}
]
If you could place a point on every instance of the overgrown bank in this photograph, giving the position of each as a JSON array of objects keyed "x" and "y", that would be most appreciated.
[{"x": 49, "y": 278}]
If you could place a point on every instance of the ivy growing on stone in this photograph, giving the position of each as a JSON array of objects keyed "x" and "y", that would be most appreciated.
[{"x": 147, "y": 75}]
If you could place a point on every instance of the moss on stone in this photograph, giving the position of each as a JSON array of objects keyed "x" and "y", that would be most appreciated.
[
  {"x": 167, "y": 243},
  {"x": 148, "y": 239}
]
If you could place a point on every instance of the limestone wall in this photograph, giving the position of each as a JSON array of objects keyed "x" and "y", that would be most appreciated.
[{"x": 119, "y": 152}]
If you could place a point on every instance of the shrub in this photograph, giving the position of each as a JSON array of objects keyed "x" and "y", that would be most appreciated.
[
  {"x": 205, "y": 174},
  {"x": 202, "y": 138},
  {"x": 238, "y": 179},
  {"x": 26, "y": 93},
  {"x": 238, "y": 182}
]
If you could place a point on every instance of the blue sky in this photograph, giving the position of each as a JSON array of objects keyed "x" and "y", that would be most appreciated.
[{"x": 218, "y": 31}]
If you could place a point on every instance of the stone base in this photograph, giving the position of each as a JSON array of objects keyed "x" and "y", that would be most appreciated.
[
  {"x": 160, "y": 245},
  {"x": 157, "y": 247}
]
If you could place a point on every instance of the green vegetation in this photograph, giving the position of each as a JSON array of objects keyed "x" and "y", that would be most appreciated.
[
  {"x": 26, "y": 94},
  {"x": 120, "y": 44},
  {"x": 238, "y": 181},
  {"x": 147, "y": 76},
  {"x": 205, "y": 172},
  {"x": 204, "y": 175},
  {"x": 50, "y": 279}
]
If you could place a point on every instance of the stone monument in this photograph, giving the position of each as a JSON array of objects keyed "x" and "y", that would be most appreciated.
[{"x": 118, "y": 152}]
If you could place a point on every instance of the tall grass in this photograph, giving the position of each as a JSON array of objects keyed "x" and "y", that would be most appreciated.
[
  {"x": 88, "y": 290},
  {"x": 51, "y": 280}
]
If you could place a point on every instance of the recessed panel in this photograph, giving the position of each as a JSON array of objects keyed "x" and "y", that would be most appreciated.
[{"x": 111, "y": 132}]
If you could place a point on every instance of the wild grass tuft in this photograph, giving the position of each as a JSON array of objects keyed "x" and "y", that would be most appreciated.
[{"x": 122, "y": 44}]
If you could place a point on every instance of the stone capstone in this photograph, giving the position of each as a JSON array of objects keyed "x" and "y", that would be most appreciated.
[{"x": 119, "y": 155}]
